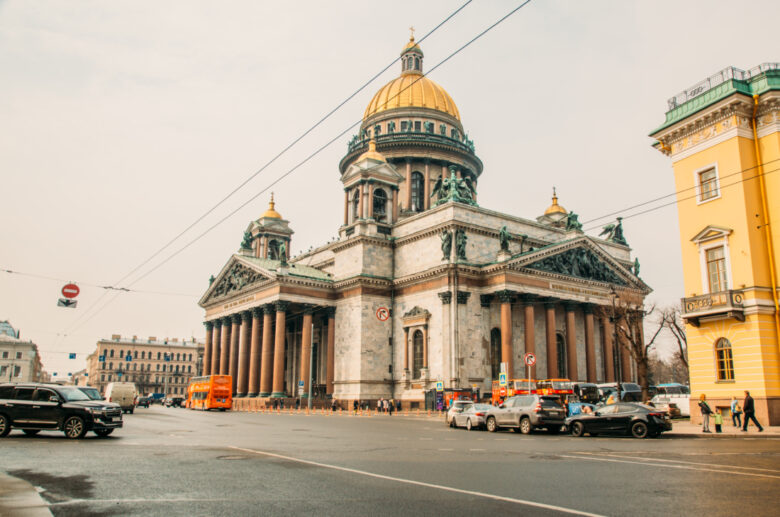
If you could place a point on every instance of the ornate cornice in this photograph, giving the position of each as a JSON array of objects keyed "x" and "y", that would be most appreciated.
[
  {"x": 359, "y": 239},
  {"x": 445, "y": 297}
]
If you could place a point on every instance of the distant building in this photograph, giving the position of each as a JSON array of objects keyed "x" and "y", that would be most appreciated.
[
  {"x": 155, "y": 366},
  {"x": 19, "y": 360},
  {"x": 722, "y": 138}
]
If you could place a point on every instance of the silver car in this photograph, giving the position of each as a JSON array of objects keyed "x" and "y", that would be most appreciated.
[
  {"x": 473, "y": 417},
  {"x": 457, "y": 407}
]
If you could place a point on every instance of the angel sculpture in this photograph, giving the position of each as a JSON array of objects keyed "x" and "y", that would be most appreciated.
[
  {"x": 503, "y": 237},
  {"x": 246, "y": 243}
]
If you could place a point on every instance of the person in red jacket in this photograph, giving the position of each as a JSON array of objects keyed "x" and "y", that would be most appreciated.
[{"x": 749, "y": 408}]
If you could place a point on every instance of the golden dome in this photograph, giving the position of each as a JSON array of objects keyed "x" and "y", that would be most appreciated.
[
  {"x": 271, "y": 212},
  {"x": 412, "y": 91},
  {"x": 555, "y": 208},
  {"x": 372, "y": 153}
]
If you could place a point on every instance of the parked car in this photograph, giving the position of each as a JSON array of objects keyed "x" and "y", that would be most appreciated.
[
  {"x": 638, "y": 420},
  {"x": 673, "y": 393},
  {"x": 174, "y": 402},
  {"x": 457, "y": 407},
  {"x": 143, "y": 402},
  {"x": 528, "y": 412},
  {"x": 473, "y": 417},
  {"x": 630, "y": 392},
  {"x": 35, "y": 407},
  {"x": 92, "y": 393},
  {"x": 122, "y": 393},
  {"x": 670, "y": 407}
]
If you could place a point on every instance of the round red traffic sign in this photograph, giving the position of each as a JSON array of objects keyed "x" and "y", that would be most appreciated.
[
  {"x": 382, "y": 313},
  {"x": 530, "y": 359},
  {"x": 70, "y": 291}
]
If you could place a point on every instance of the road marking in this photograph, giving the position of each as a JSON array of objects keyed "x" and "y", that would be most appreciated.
[
  {"x": 501, "y": 439},
  {"x": 476, "y": 450},
  {"x": 680, "y": 461},
  {"x": 682, "y": 467},
  {"x": 423, "y": 484},
  {"x": 426, "y": 438},
  {"x": 446, "y": 449}
]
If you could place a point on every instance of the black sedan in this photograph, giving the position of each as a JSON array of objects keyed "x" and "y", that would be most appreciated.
[{"x": 638, "y": 420}]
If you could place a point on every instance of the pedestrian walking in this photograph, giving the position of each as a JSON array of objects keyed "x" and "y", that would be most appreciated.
[
  {"x": 391, "y": 406},
  {"x": 718, "y": 417},
  {"x": 297, "y": 403},
  {"x": 398, "y": 406},
  {"x": 379, "y": 405},
  {"x": 333, "y": 405},
  {"x": 736, "y": 412},
  {"x": 355, "y": 406},
  {"x": 705, "y": 413},
  {"x": 750, "y": 412}
]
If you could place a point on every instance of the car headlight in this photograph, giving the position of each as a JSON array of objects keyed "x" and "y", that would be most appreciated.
[{"x": 96, "y": 411}]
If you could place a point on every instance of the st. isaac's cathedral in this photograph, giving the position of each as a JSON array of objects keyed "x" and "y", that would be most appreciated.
[{"x": 423, "y": 284}]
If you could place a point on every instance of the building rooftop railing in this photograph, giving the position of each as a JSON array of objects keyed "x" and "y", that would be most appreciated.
[
  {"x": 358, "y": 144},
  {"x": 720, "y": 77}
]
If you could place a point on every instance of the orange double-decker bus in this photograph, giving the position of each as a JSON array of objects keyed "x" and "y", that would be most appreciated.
[
  {"x": 513, "y": 387},
  {"x": 561, "y": 387},
  {"x": 210, "y": 392}
]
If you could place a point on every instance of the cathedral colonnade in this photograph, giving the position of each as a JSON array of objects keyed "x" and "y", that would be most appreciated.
[
  {"x": 255, "y": 346},
  {"x": 561, "y": 343}
]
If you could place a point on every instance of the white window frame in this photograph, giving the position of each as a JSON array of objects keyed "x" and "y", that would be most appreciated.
[
  {"x": 703, "y": 248},
  {"x": 697, "y": 182}
]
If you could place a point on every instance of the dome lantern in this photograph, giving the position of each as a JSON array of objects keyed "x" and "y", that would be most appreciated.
[{"x": 411, "y": 57}]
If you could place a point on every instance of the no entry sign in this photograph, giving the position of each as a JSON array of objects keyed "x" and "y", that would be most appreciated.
[
  {"x": 530, "y": 359},
  {"x": 70, "y": 291},
  {"x": 383, "y": 313}
]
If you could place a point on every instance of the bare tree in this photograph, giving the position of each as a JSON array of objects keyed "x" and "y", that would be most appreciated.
[{"x": 672, "y": 320}]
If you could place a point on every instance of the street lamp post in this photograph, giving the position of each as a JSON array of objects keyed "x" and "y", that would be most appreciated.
[{"x": 616, "y": 358}]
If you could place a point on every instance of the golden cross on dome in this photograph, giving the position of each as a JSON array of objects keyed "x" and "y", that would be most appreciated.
[{"x": 411, "y": 36}]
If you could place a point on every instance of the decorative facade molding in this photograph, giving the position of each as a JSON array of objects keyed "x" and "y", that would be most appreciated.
[
  {"x": 463, "y": 297},
  {"x": 445, "y": 297}
]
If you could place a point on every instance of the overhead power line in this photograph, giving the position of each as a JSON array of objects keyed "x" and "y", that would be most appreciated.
[{"x": 97, "y": 286}]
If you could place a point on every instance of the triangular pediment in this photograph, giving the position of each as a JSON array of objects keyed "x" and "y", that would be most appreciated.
[
  {"x": 372, "y": 168},
  {"x": 581, "y": 258},
  {"x": 236, "y": 276},
  {"x": 711, "y": 232}
]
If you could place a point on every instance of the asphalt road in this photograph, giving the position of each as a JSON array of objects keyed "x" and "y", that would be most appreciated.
[{"x": 171, "y": 462}]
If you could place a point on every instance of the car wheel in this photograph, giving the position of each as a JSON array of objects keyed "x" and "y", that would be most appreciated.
[
  {"x": 103, "y": 432},
  {"x": 31, "y": 432},
  {"x": 525, "y": 425},
  {"x": 5, "y": 425},
  {"x": 577, "y": 429},
  {"x": 639, "y": 430},
  {"x": 74, "y": 428},
  {"x": 452, "y": 422},
  {"x": 131, "y": 411},
  {"x": 491, "y": 424},
  {"x": 468, "y": 425}
]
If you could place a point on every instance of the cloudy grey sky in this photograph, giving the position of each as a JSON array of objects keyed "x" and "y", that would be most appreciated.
[{"x": 122, "y": 122}]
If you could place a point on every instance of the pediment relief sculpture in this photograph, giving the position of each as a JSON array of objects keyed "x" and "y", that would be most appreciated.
[
  {"x": 236, "y": 278},
  {"x": 580, "y": 263},
  {"x": 417, "y": 312}
]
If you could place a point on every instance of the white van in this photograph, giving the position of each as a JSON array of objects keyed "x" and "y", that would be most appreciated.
[
  {"x": 673, "y": 392},
  {"x": 122, "y": 393}
]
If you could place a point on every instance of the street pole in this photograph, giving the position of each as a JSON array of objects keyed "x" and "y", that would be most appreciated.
[
  {"x": 311, "y": 366},
  {"x": 619, "y": 365}
]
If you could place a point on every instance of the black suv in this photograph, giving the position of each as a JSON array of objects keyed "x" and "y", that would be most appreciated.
[
  {"x": 34, "y": 407},
  {"x": 528, "y": 412}
]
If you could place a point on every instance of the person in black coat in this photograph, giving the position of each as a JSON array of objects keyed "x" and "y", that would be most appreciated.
[{"x": 749, "y": 409}]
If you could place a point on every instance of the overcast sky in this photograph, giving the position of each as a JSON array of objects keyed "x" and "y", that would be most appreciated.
[{"x": 122, "y": 122}]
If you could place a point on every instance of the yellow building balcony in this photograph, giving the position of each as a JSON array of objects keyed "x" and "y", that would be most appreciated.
[{"x": 713, "y": 306}]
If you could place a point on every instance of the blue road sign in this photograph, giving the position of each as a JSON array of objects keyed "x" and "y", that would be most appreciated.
[
  {"x": 128, "y": 357},
  {"x": 167, "y": 357},
  {"x": 71, "y": 356},
  {"x": 502, "y": 379},
  {"x": 439, "y": 386},
  {"x": 101, "y": 359}
]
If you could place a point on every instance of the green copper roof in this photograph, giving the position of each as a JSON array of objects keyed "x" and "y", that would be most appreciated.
[
  {"x": 292, "y": 269},
  {"x": 717, "y": 87}
]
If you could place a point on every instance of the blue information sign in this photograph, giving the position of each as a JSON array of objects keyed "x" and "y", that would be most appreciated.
[
  {"x": 71, "y": 356},
  {"x": 101, "y": 359},
  {"x": 128, "y": 357}
]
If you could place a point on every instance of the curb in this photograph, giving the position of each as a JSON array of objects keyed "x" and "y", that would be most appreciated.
[{"x": 20, "y": 499}]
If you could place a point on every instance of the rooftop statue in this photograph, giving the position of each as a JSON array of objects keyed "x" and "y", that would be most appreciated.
[
  {"x": 573, "y": 222},
  {"x": 503, "y": 237},
  {"x": 614, "y": 232},
  {"x": 283, "y": 253},
  {"x": 246, "y": 243},
  {"x": 636, "y": 267},
  {"x": 454, "y": 189}
]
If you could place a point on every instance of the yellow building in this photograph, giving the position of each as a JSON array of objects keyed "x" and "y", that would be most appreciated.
[{"x": 722, "y": 136}]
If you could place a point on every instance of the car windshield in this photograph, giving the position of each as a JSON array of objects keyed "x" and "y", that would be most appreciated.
[
  {"x": 92, "y": 393},
  {"x": 73, "y": 394}
]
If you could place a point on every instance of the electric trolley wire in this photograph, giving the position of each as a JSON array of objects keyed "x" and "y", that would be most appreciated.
[
  {"x": 305, "y": 160},
  {"x": 673, "y": 194},
  {"x": 677, "y": 201},
  {"x": 270, "y": 162},
  {"x": 97, "y": 286}
]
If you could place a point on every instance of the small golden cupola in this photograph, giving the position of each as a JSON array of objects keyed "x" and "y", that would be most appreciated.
[
  {"x": 271, "y": 212},
  {"x": 371, "y": 154},
  {"x": 555, "y": 215}
]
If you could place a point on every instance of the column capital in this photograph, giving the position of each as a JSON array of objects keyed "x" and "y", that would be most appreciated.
[
  {"x": 309, "y": 309},
  {"x": 236, "y": 318},
  {"x": 571, "y": 306},
  {"x": 226, "y": 320},
  {"x": 463, "y": 297},
  {"x": 526, "y": 298},
  {"x": 588, "y": 308},
  {"x": 445, "y": 297},
  {"x": 268, "y": 308},
  {"x": 257, "y": 312},
  {"x": 505, "y": 296},
  {"x": 331, "y": 312},
  {"x": 281, "y": 306},
  {"x": 246, "y": 315},
  {"x": 209, "y": 324},
  {"x": 550, "y": 304},
  {"x": 485, "y": 300}
]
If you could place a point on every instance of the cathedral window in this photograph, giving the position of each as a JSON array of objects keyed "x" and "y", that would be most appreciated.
[
  {"x": 417, "y": 353},
  {"x": 495, "y": 352},
  {"x": 356, "y": 205},
  {"x": 443, "y": 129},
  {"x": 417, "y": 192},
  {"x": 404, "y": 126},
  {"x": 380, "y": 204},
  {"x": 417, "y": 126},
  {"x": 417, "y": 63},
  {"x": 273, "y": 250}
]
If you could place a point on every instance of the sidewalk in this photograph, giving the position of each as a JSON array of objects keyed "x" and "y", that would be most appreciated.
[
  {"x": 18, "y": 498},
  {"x": 686, "y": 428}
]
